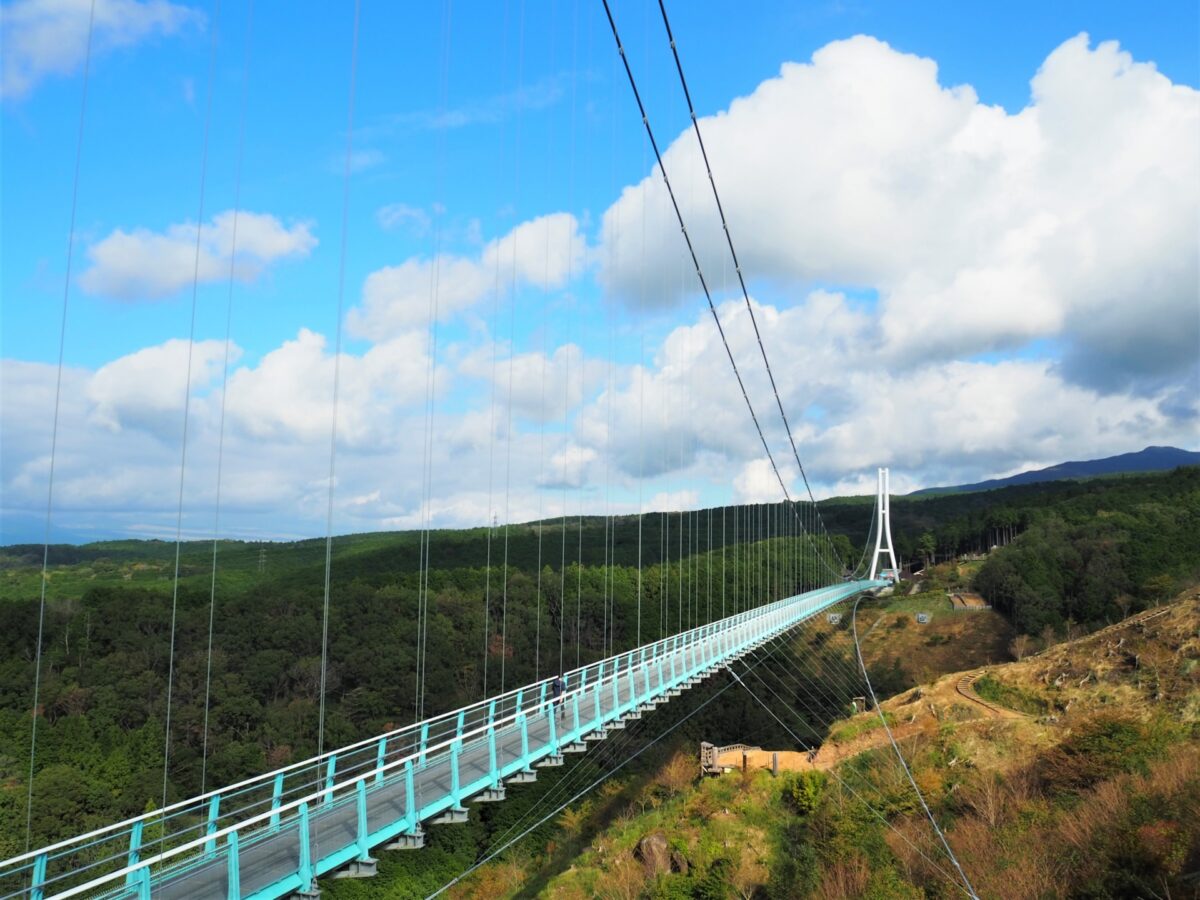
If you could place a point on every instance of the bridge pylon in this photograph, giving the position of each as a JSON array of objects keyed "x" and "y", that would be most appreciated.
[{"x": 883, "y": 530}]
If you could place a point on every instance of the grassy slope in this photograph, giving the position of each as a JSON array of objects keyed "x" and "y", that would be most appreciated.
[
  {"x": 1096, "y": 798},
  {"x": 663, "y": 795}
]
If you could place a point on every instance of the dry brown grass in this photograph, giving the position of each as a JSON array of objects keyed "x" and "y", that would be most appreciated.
[
  {"x": 678, "y": 774},
  {"x": 844, "y": 880},
  {"x": 622, "y": 879},
  {"x": 493, "y": 882}
]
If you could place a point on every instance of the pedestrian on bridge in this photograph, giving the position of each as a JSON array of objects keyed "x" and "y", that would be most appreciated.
[{"x": 557, "y": 689}]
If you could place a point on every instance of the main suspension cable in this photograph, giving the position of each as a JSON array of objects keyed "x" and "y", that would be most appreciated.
[
  {"x": 738, "y": 268},
  {"x": 695, "y": 259}
]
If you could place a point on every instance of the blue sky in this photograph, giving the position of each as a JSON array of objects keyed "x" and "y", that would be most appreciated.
[{"x": 915, "y": 220}]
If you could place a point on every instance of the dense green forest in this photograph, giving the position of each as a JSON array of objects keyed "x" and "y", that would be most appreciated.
[
  {"x": 1100, "y": 554},
  {"x": 1082, "y": 551}
]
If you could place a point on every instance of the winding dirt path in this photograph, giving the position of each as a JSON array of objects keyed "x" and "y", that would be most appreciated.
[{"x": 966, "y": 687}]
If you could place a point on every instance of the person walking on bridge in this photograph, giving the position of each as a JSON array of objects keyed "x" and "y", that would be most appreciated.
[{"x": 557, "y": 688}]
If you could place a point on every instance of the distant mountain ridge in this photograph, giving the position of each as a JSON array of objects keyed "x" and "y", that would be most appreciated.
[{"x": 1152, "y": 459}]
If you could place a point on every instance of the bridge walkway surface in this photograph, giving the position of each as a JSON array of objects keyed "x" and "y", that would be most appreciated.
[{"x": 272, "y": 835}]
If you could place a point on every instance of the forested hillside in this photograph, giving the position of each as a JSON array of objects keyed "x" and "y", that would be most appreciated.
[
  {"x": 106, "y": 655},
  {"x": 1081, "y": 551},
  {"x": 1098, "y": 555}
]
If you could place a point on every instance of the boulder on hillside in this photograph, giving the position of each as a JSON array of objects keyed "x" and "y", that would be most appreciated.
[
  {"x": 679, "y": 862},
  {"x": 655, "y": 854}
]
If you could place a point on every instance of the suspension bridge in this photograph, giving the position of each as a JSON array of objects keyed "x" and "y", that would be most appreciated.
[{"x": 274, "y": 834}]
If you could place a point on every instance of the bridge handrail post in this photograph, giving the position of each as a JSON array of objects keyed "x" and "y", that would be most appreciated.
[
  {"x": 360, "y": 796},
  {"x": 411, "y": 807},
  {"x": 233, "y": 867},
  {"x": 596, "y": 695},
  {"x": 455, "y": 785},
  {"x": 575, "y": 707},
  {"x": 542, "y": 695},
  {"x": 380, "y": 757},
  {"x": 134, "y": 857},
  {"x": 616, "y": 692},
  {"x": 424, "y": 743},
  {"x": 493, "y": 774},
  {"x": 276, "y": 800},
  {"x": 525, "y": 757},
  {"x": 551, "y": 715},
  {"x": 520, "y": 700},
  {"x": 330, "y": 769},
  {"x": 214, "y": 811},
  {"x": 39, "y": 876},
  {"x": 304, "y": 867}
]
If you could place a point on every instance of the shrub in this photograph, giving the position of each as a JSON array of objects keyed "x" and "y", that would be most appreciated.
[
  {"x": 1106, "y": 745},
  {"x": 803, "y": 791}
]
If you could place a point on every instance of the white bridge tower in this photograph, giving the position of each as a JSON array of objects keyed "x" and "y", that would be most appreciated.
[{"x": 884, "y": 531}]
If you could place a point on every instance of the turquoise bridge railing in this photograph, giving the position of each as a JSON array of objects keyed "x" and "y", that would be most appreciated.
[{"x": 271, "y": 835}]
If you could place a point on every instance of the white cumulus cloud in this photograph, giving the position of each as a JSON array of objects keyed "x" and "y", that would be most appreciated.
[
  {"x": 145, "y": 389},
  {"x": 542, "y": 252},
  {"x": 147, "y": 265},
  {"x": 43, "y": 38},
  {"x": 1074, "y": 219}
]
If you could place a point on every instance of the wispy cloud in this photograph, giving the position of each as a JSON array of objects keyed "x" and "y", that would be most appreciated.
[
  {"x": 360, "y": 161},
  {"x": 542, "y": 94},
  {"x": 401, "y": 215}
]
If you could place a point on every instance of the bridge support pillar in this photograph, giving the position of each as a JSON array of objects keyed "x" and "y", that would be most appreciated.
[
  {"x": 360, "y": 868},
  {"x": 455, "y": 815},
  {"x": 414, "y": 840}
]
